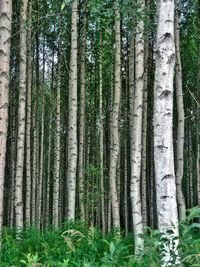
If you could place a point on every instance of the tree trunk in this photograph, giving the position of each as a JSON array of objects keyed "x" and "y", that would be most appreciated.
[
  {"x": 72, "y": 138},
  {"x": 82, "y": 117},
  {"x": 136, "y": 133},
  {"x": 37, "y": 121},
  {"x": 163, "y": 136},
  {"x": 41, "y": 184},
  {"x": 144, "y": 130},
  {"x": 191, "y": 167},
  {"x": 180, "y": 132},
  {"x": 5, "y": 34},
  {"x": 28, "y": 129},
  {"x": 57, "y": 151},
  {"x": 21, "y": 119},
  {"x": 101, "y": 139},
  {"x": 115, "y": 123},
  {"x": 47, "y": 209}
]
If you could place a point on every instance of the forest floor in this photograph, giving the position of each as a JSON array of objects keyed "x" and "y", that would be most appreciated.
[{"x": 74, "y": 244}]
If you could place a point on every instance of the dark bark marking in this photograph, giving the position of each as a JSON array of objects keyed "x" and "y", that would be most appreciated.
[
  {"x": 164, "y": 94},
  {"x": 168, "y": 176}
]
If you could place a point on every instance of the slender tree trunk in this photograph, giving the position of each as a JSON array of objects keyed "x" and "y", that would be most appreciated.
[
  {"x": 37, "y": 120},
  {"x": 136, "y": 133},
  {"x": 72, "y": 138},
  {"x": 21, "y": 119},
  {"x": 47, "y": 212},
  {"x": 82, "y": 117},
  {"x": 57, "y": 155},
  {"x": 163, "y": 136},
  {"x": 13, "y": 159},
  {"x": 188, "y": 166},
  {"x": 115, "y": 123},
  {"x": 34, "y": 176},
  {"x": 5, "y": 34},
  {"x": 101, "y": 139},
  {"x": 191, "y": 167},
  {"x": 180, "y": 132},
  {"x": 28, "y": 129},
  {"x": 40, "y": 215},
  {"x": 144, "y": 130},
  {"x": 126, "y": 152}
]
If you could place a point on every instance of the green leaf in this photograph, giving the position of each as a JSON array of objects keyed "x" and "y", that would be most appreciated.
[{"x": 62, "y": 6}]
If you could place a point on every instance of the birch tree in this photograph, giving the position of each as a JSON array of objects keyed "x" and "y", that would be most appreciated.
[
  {"x": 21, "y": 119},
  {"x": 72, "y": 136},
  {"x": 115, "y": 122},
  {"x": 57, "y": 159},
  {"x": 28, "y": 126},
  {"x": 5, "y": 34},
  {"x": 144, "y": 125},
  {"x": 180, "y": 132},
  {"x": 82, "y": 116},
  {"x": 163, "y": 137},
  {"x": 101, "y": 137},
  {"x": 136, "y": 132}
]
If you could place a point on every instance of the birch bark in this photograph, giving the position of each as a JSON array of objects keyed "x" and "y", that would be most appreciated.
[
  {"x": 163, "y": 136},
  {"x": 57, "y": 159},
  {"x": 5, "y": 34},
  {"x": 115, "y": 122},
  {"x": 136, "y": 132},
  {"x": 72, "y": 137},
  {"x": 180, "y": 132},
  {"x": 101, "y": 139},
  {"x": 28, "y": 129},
  {"x": 82, "y": 117},
  {"x": 21, "y": 119},
  {"x": 144, "y": 126}
]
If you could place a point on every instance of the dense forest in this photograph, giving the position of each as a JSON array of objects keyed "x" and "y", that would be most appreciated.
[{"x": 99, "y": 133}]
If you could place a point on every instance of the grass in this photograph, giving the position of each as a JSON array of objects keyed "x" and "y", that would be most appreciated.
[{"x": 73, "y": 244}]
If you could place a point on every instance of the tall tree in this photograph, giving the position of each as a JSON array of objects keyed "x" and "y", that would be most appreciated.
[
  {"x": 37, "y": 116},
  {"x": 115, "y": 141},
  {"x": 163, "y": 136},
  {"x": 21, "y": 118},
  {"x": 5, "y": 34},
  {"x": 180, "y": 132},
  {"x": 82, "y": 116},
  {"x": 72, "y": 136},
  {"x": 28, "y": 126},
  {"x": 144, "y": 124},
  {"x": 136, "y": 131},
  {"x": 57, "y": 150},
  {"x": 101, "y": 137}
]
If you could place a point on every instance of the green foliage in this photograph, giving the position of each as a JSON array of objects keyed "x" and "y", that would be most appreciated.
[{"x": 74, "y": 244}]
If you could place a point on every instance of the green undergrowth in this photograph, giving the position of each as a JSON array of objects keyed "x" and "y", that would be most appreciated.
[{"x": 74, "y": 244}]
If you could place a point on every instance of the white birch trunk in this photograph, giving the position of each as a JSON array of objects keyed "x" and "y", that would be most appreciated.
[
  {"x": 115, "y": 124},
  {"x": 41, "y": 183},
  {"x": 5, "y": 34},
  {"x": 21, "y": 119},
  {"x": 82, "y": 118},
  {"x": 163, "y": 136},
  {"x": 101, "y": 139},
  {"x": 180, "y": 132},
  {"x": 136, "y": 133},
  {"x": 72, "y": 137},
  {"x": 28, "y": 129},
  {"x": 57, "y": 159},
  {"x": 144, "y": 126}
]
